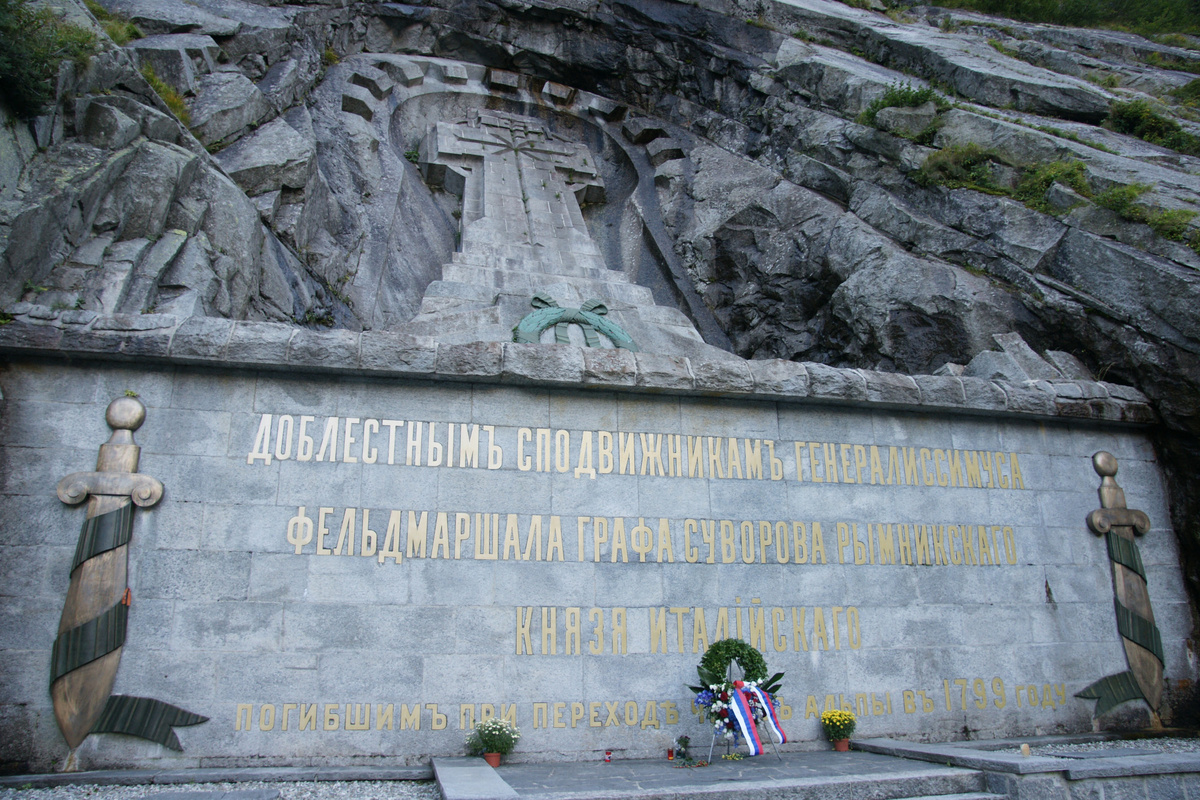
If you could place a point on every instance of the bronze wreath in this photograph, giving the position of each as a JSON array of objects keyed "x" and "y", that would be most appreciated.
[{"x": 715, "y": 662}]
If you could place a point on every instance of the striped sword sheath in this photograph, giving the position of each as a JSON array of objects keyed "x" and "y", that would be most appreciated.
[{"x": 91, "y": 632}]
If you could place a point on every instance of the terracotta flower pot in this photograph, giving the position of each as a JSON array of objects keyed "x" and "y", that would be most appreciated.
[
  {"x": 493, "y": 759},
  {"x": 841, "y": 745}
]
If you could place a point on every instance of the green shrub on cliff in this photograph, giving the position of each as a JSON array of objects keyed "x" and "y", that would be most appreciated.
[
  {"x": 1143, "y": 16},
  {"x": 970, "y": 166},
  {"x": 967, "y": 166},
  {"x": 900, "y": 95},
  {"x": 34, "y": 41},
  {"x": 1137, "y": 118}
]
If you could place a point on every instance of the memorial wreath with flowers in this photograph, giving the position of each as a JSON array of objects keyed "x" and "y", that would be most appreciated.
[{"x": 736, "y": 707}]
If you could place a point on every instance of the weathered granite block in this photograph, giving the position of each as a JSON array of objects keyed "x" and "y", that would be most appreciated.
[
  {"x": 557, "y": 363},
  {"x": 1073, "y": 407},
  {"x": 389, "y": 351},
  {"x": 147, "y": 344},
  {"x": 663, "y": 372},
  {"x": 1121, "y": 392},
  {"x": 22, "y": 335},
  {"x": 641, "y": 130},
  {"x": 91, "y": 340},
  {"x": 615, "y": 367},
  {"x": 374, "y": 80},
  {"x": 830, "y": 383},
  {"x": 607, "y": 109},
  {"x": 994, "y": 365},
  {"x": 558, "y": 93},
  {"x": 983, "y": 394},
  {"x": 43, "y": 313},
  {"x": 663, "y": 150},
  {"x": 135, "y": 322},
  {"x": 1026, "y": 358},
  {"x": 1032, "y": 397},
  {"x": 940, "y": 390},
  {"x": 190, "y": 574},
  {"x": 259, "y": 342},
  {"x": 78, "y": 317},
  {"x": 1139, "y": 413},
  {"x": 477, "y": 359},
  {"x": 774, "y": 376},
  {"x": 724, "y": 376},
  {"x": 890, "y": 387},
  {"x": 1104, "y": 408},
  {"x": 454, "y": 73},
  {"x": 1068, "y": 365},
  {"x": 500, "y": 80},
  {"x": 357, "y": 100},
  {"x": 202, "y": 338},
  {"x": 324, "y": 349}
]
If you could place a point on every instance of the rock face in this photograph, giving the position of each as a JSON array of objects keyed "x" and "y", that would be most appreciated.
[{"x": 723, "y": 195}]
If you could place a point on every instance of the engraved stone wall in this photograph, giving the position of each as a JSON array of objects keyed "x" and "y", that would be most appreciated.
[{"x": 352, "y": 569}]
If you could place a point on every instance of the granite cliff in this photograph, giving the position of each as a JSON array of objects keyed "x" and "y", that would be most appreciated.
[{"x": 802, "y": 180}]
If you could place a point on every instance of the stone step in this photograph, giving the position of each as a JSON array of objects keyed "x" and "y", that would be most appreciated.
[
  {"x": 473, "y": 292},
  {"x": 609, "y": 286},
  {"x": 664, "y": 315},
  {"x": 958, "y": 796},
  {"x": 470, "y": 779},
  {"x": 448, "y": 321}
]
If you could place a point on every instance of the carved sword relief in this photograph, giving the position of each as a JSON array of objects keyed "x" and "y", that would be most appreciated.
[
  {"x": 1135, "y": 617},
  {"x": 91, "y": 632}
]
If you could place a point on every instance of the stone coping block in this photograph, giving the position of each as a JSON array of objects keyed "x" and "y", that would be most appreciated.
[
  {"x": 470, "y": 779},
  {"x": 1000, "y": 756},
  {"x": 163, "y": 339},
  {"x": 137, "y": 777}
]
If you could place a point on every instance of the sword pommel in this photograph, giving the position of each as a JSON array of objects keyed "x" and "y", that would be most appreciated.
[
  {"x": 1103, "y": 462},
  {"x": 125, "y": 414},
  {"x": 116, "y": 472}
]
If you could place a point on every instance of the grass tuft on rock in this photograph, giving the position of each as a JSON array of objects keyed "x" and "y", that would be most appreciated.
[
  {"x": 1138, "y": 118},
  {"x": 1170, "y": 224},
  {"x": 1146, "y": 17},
  {"x": 970, "y": 166},
  {"x": 1037, "y": 180},
  {"x": 118, "y": 28},
  {"x": 1162, "y": 61},
  {"x": 1188, "y": 94},
  {"x": 900, "y": 95},
  {"x": 967, "y": 166},
  {"x": 172, "y": 98},
  {"x": 34, "y": 42}
]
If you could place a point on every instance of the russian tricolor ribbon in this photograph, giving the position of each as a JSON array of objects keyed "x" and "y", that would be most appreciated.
[
  {"x": 772, "y": 719},
  {"x": 739, "y": 706}
]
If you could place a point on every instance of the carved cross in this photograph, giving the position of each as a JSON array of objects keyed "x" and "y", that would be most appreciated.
[{"x": 521, "y": 184}]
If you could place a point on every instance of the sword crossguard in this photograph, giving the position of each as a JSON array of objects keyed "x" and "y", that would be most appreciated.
[
  {"x": 143, "y": 490},
  {"x": 1102, "y": 520}
]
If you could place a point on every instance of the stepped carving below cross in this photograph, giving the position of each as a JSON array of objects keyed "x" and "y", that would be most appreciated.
[{"x": 522, "y": 232}]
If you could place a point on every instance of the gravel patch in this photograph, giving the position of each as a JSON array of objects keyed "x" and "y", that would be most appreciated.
[
  {"x": 300, "y": 790},
  {"x": 1158, "y": 745}
]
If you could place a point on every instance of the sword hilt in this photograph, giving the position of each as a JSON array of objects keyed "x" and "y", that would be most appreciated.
[{"x": 116, "y": 472}]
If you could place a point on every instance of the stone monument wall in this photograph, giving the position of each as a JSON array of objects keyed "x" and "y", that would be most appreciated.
[{"x": 352, "y": 566}]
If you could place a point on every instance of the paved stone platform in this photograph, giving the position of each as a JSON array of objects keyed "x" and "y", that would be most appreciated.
[
  {"x": 880, "y": 769},
  {"x": 821, "y": 774}
]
